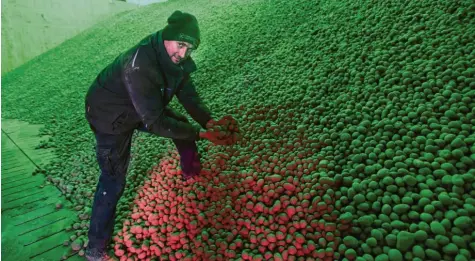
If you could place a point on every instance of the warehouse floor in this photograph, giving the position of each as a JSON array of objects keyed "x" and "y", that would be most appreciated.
[{"x": 34, "y": 213}]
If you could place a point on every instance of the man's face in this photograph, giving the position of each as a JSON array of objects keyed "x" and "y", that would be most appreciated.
[{"x": 178, "y": 50}]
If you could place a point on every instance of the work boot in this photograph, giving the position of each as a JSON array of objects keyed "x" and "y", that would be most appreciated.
[
  {"x": 190, "y": 178},
  {"x": 193, "y": 177},
  {"x": 192, "y": 170},
  {"x": 97, "y": 255}
]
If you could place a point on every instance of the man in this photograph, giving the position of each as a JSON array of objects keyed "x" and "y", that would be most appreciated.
[{"x": 132, "y": 93}]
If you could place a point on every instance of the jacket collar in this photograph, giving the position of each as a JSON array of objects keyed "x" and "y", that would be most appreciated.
[{"x": 187, "y": 66}]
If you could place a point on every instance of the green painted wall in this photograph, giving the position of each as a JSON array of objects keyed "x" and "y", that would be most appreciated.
[
  {"x": 145, "y": 2},
  {"x": 31, "y": 27}
]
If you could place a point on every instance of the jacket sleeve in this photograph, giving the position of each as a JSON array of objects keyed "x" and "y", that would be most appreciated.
[
  {"x": 144, "y": 91},
  {"x": 192, "y": 102}
]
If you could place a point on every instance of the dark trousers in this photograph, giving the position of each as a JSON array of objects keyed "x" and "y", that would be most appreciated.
[{"x": 113, "y": 156}]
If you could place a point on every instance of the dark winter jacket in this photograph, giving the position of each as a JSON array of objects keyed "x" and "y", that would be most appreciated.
[{"x": 134, "y": 90}]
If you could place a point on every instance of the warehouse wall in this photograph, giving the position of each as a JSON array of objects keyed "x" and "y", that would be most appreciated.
[
  {"x": 31, "y": 27},
  {"x": 144, "y": 2}
]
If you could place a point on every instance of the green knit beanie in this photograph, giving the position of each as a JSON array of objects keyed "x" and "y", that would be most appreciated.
[{"x": 182, "y": 27}]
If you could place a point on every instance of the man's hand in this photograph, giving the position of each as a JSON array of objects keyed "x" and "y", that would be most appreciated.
[
  {"x": 226, "y": 123},
  {"x": 215, "y": 138},
  {"x": 222, "y": 132}
]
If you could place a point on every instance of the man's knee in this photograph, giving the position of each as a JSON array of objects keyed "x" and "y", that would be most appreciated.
[{"x": 111, "y": 164}]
